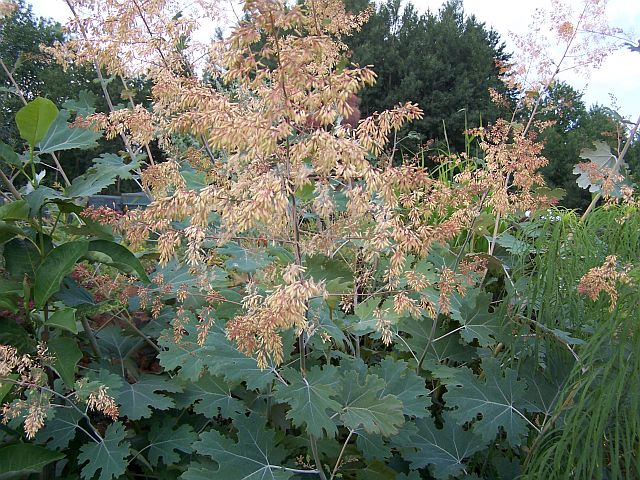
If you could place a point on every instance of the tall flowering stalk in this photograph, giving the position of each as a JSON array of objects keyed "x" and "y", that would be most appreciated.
[{"x": 276, "y": 129}]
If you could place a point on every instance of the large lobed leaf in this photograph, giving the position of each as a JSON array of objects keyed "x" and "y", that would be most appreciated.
[
  {"x": 58, "y": 431},
  {"x": 137, "y": 399},
  {"x": 476, "y": 322},
  {"x": 210, "y": 396},
  {"x": 499, "y": 399},
  {"x": 365, "y": 405},
  {"x": 444, "y": 449},
  {"x": 165, "y": 442},
  {"x": 62, "y": 136},
  {"x": 404, "y": 383},
  {"x": 104, "y": 172},
  {"x": 254, "y": 456},
  {"x": 311, "y": 399},
  {"x": 109, "y": 457}
]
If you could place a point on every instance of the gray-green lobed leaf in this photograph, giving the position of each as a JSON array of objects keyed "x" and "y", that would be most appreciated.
[
  {"x": 136, "y": 400},
  {"x": 255, "y": 456},
  {"x": 365, "y": 405},
  {"x": 108, "y": 457},
  {"x": 311, "y": 398},
  {"x": 499, "y": 399}
]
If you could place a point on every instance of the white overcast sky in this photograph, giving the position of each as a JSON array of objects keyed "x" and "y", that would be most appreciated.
[{"x": 619, "y": 75}]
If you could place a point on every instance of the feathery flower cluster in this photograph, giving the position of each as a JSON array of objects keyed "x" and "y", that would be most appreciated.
[
  {"x": 256, "y": 332},
  {"x": 605, "y": 278},
  {"x": 30, "y": 377},
  {"x": 273, "y": 127}
]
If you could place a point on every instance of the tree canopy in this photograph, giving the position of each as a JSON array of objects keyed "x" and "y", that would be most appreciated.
[{"x": 445, "y": 61}]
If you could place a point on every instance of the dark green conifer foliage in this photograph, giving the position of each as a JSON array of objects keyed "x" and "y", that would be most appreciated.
[{"x": 446, "y": 62}]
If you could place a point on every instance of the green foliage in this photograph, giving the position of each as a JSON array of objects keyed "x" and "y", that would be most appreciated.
[
  {"x": 444, "y": 449},
  {"x": 520, "y": 373},
  {"x": 108, "y": 456},
  {"x": 498, "y": 399},
  {"x": 54, "y": 267},
  {"x": 23, "y": 458},
  {"x": 137, "y": 399},
  {"x": 255, "y": 454},
  {"x": 61, "y": 136},
  {"x": 165, "y": 442},
  {"x": 34, "y": 120},
  {"x": 104, "y": 172},
  {"x": 311, "y": 401},
  {"x": 444, "y": 61}
]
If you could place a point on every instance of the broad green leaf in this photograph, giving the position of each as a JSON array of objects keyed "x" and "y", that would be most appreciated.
[
  {"x": 254, "y": 456},
  {"x": 365, "y": 405},
  {"x": 66, "y": 356},
  {"x": 21, "y": 257},
  {"x": 310, "y": 399},
  {"x": 15, "y": 335},
  {"x": 109, "y": 457},
  {"x": 72, "y": 295},
  {"x": 62, "y": 136},
  {"x": 512, "y": 244},
  {"x": 120, "y": 257},
  {"x": 23, "y": 458},
  {"x": 60, "y": 430},
  {"x": 545, "y": 388},
  {"x": 373, "y": 446},
  {"x": 402, "y": 381},
  {"x": 498, "y": 399},
  {"x": 65, "y": 319},
  {"x": 375, "y": 470},
  {"x": 243, "y": 259},
  {"x": 165, "y": 442},
  {"x": 476, "y": 322},
  {"x": 10, "y": 293},
  {"x": 227, "y": 360},
  {"x": 40, "y": 197},
  {"x": 9, "y": 231},
  {"x": 58, "y": 263},
  {"x": 187, "y": 355},
  {"x": 113, "y": 382},
  {"x": 440, "y": 344},
  {"x": 114, "y": 341},
  {"x": 106, "y": 169},
  {"x": 137, "y": 399},
  {"x": 218, "y": 354},
  {"x": 15, "y": 210},
  {"x": 35, "y": 118},
  {"x": 5, "y": 387},
  {"x": 443, "y": 449},
  {"x": 321, "y": 267},
  {"x": 8, "y": 155},
  {"x": 210, "y": 396},
  {"x": 84, "y": 105}
]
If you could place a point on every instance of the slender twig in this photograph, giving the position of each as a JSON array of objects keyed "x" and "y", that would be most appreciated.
[
  {"x": 140, "y": 333},
  {"x": 344, "y": 446},
  {"x": 10, "y": 186},
  {"x": 92, "y": 338}
]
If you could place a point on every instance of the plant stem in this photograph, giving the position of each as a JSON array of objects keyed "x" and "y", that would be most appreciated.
[
  {"x": 344, "y": 446},
  {"x": 92, "y": 338}
]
